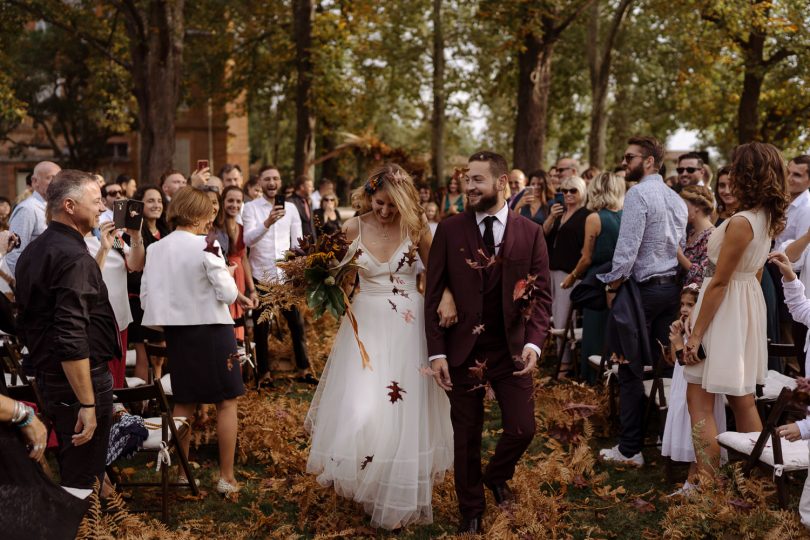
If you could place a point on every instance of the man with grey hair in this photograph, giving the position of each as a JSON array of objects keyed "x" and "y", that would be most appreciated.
[
  {"x": 28, "y": 219},
  {"x": 67, "y": 323},
  {"x": 567, "y": 168}
]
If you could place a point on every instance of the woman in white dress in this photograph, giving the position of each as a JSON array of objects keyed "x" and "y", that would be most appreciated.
[{"x": 381, "y": 436}]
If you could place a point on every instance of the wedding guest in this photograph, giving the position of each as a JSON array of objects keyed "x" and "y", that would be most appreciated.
[
  {"x": 567, "y": 168},
  {"x": 116, "y": 258},
  {"x": 251, "y": 189},
  {"x": 68, "y": 325},
  {"x": 432, "y": 215},
  {"x": 554, "y": 179},
  {"x": 181, "y": 270},
  {"x": 5, "y": 213},
  {"x": 605, "y": 201},
  {"x": 216, "y": 202},
  {"x": 798, "y": 213},
  {"x": 652, "y": 228},
  {"x": 327, "y": 216},
  {"x": 453, "y": 200},
  {"x": 171, "y": 182},
  {"x": 154, "y": 228},
  {"x": 128, "y": 184},
  {"x": 726, "y": 352},
  {"x": 566, "y": 238},
  {"x": 690, "y": 170},
  {"x": 232, "y": 200},
  {"x": 517, "y": 183},
  {"x": 425, "y": 195},
  {"x": 302, "y": 191},
  {"x": 726, "y": 203},
  {"x": 28, "y": 218},
  {"x": 693, "y": 259},
  {"x": 270, "y": 231},
  {"x": 535, "y": 203},
  {"x": 231, "y": 175},
  {"x": 215, "y": 183},
  {"x": 325, "y": 186},
  {"x": 590, "y": 173}
]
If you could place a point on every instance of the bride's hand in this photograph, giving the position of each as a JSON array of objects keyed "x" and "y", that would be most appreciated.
[
  {"x": 447, "y": 310},
  {"x": 441, "y": 373}
]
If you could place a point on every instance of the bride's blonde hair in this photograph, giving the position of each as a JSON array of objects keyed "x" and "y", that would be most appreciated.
[{"x": 399, "y": 185}]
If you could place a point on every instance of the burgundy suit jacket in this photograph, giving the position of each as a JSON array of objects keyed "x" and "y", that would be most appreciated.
[{"x": 523, "y": 252}]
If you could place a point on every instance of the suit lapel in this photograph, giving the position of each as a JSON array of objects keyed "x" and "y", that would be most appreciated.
[{"x": 471, "y": 232}]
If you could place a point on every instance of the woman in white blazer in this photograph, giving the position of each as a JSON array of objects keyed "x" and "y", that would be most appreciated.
[{"x": 185, "y": 291}]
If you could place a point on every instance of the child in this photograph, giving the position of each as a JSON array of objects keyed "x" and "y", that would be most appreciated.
[
  {"x": 677, "y": 440},
  {"x": 432, "y": 215},
  {"x": 799, "y": 307}
]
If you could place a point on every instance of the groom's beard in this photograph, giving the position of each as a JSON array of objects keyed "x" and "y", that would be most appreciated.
[{"x": 485, "y": 202}]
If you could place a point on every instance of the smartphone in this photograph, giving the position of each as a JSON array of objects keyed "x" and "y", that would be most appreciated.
[
  {"x": 202, "y": 164},
  {"x": 128, "y": 214},
  {"x": 279, "y": 200},
  {"x": 559, "y": 199},
  {"x": 529, "y": 190},
  {"x": 701, "y": 352}
]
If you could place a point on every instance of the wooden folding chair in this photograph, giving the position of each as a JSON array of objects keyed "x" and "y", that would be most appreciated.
[
  {"x": 778, "y": 458},
  {"x": 158, "y": 358},
  {"x": 656, "y": 389},
  {"x": 169, "y": 439},
  {"x": 569, "y": 336},
  {"x": 249, "y": 366},
  {"x": 15, "y": 384}
]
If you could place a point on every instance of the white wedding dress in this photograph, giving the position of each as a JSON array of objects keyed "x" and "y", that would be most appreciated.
[{"x": 380, "y": 453}]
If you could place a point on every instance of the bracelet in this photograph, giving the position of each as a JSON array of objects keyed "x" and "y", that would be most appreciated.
[
  {"x": 19, "y": 412},
  {"x": 29, "y": 417},
  {"x": 135, "y": 243},
  {"x": 87, "y": 406}
]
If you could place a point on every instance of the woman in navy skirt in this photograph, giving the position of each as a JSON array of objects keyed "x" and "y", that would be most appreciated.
[{"x": 186, "y": 289}]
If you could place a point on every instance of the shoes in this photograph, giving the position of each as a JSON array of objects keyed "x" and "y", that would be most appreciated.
[
  {"x": 684, "y": 491},
  {"x": 501, "y": 492},
  {"x": 612, "y": 455},
  {"x": 307, "y": 379},
  {"x": 226, "y": 488},
  {"x": 470, "y": 526},
  {"x": 183, "y": 481}
]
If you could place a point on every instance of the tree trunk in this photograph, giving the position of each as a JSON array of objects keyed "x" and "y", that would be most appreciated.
[
  {"x": 755, "y": 69},
  {"x": 600, "y": 56},
  {"x": 303, "y": 12},
  {"x": 534, "y": 83},
  {"x": 437, "y": 122},
  {"x": 156, "y": 47}
]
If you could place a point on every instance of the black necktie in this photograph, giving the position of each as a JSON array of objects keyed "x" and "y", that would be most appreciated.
[{"x": 489, "y": 236}]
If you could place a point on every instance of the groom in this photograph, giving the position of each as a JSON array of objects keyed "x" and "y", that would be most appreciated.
[{"x": 492, "y": 345}]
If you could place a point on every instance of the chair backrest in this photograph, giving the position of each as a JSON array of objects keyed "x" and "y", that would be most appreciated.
[
  {"x": 769, "y": 429},
  {"x": 157, "y": 351},
  {"x": 23, "y": 389}
]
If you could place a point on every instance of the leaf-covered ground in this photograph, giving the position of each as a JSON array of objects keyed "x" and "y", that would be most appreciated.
[{"x": 562, "y": 491}]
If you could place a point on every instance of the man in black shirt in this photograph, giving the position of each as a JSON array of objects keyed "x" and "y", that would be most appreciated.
[{"x": 68, "y": 325}]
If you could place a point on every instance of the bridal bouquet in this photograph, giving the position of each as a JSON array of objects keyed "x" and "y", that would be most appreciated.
[{"x": 314, "y": 273}]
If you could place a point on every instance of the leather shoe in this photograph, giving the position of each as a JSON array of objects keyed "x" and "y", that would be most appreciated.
[
  {"x": 501, "y": 492},
  {"x": 470, "y": 525}
]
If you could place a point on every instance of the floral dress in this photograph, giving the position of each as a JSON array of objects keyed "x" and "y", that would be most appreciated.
[{"x": 696, "y": 253}]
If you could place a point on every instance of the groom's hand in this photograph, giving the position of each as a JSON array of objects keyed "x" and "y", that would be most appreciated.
[
  {"x": 441, "y": 373},
  {"x": 529, "y": 359}
]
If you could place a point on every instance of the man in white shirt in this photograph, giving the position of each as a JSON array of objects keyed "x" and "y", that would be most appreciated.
[
  {"x": 111, "y": 193},
  {"x": 326, "y": 186},
  {"x": 28, "y": 219},
  {"x": 270, "y": 230},
  {"x": 171, "y": 182},
  {"x": 798, "y": 213}
]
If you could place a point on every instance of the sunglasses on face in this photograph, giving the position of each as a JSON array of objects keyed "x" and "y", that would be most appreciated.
[
  {"x": 630, "y": 157},
  {"x": 114, "y": 193},
  {"x": 332, "y": 199},
  {"x": 690, "y": 170},
  {"x": 568, "y": 191}
]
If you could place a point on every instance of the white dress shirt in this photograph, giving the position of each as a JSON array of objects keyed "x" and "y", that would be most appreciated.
[
  {"x": 106, "y": 215},
  {"x": 315, "y": 200},
  {"x": 798, "y": 219},
  {"x": 267, "y": 245},
  {"x": 114, "y": 274},
  {"x": 498, "y": 226},
  {"x": 184, "y": 285}
]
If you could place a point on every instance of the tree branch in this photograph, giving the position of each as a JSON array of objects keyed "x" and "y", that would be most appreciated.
[
  {"x": 613, "y": 31},
  {"x": 571, "y": 17},
  {"x": 93, "y": 41},
  {"x": 721, "y": 23},
  {"x": 777, "y": 57}
]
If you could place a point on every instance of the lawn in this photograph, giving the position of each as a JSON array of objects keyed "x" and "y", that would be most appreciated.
[{"x": 562, "y": 491}]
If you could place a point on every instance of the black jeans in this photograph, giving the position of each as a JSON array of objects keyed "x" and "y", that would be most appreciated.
[
  {"x": 79, "y": 466},
  {"x": 261, "y": 331},
  {"x": 661, "y": 304}
]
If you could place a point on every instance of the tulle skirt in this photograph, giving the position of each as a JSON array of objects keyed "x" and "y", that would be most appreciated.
[{"x": 381, "y": 449}]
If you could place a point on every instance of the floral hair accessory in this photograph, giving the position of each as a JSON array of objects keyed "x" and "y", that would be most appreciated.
[
  {"x": 373, "y": 184},
  {"x": 692, "y": 287}
]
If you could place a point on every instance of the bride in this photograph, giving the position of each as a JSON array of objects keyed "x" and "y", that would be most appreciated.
[{"x": 382, "y": 435}]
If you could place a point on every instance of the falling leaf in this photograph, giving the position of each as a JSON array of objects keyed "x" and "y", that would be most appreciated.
[
  {"x": 520, "y": 289},
  {"x": 478, "y": 369},
  {"x": 489, "y": 393},
  {"x": 581, "y": 410},
  {"x": 366, "y": 461},
  {"x": 408, "y": 316},
  {"x": 400, "y": 292},
  {"x": 642, "y": 507},
  {"x": 393, "y": 305},
  {"x": 408, "y": 258},
  {"x": 233, "y": 357},
  {"x": 396, "y": 392},
  {"x": 427, "y": 371},
  {"x": 478, "y": 329},
  {"x": 209, "y": 243}
]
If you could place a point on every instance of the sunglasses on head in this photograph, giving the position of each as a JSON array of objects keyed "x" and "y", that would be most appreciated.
[
  {"x": 568, "y": 191},
  {"x": 689, "y": 170}
]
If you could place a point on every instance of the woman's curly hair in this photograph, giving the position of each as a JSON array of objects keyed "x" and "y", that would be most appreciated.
[{"x": 759, "y": 180}]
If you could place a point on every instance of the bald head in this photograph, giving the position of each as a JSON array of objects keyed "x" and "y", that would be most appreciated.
[
  {"x": 517, "y": 181},
  {"x": 44, "y": 171}
]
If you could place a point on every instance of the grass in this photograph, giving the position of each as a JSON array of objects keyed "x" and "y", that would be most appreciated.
[{"x": 563, "y": 496}]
